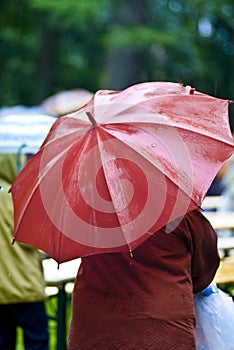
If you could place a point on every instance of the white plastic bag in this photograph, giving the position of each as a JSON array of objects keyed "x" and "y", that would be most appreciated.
[{"x": 214, "y": 319}]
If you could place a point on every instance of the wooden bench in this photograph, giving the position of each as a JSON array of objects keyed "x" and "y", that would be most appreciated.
[{"x": 225, "y": 275}]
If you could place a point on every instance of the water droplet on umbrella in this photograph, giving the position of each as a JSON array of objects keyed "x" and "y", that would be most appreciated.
[{"x": 153, "y": 145}]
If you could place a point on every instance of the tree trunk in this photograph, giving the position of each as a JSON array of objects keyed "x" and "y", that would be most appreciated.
[
  {"x": 125, "y": 65},
  {"x": 46, "y": 65}
]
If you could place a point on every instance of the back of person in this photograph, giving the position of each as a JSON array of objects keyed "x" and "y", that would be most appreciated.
[
  {"x": 145, "y": 301},
  {"x": 22, "y": 285}
]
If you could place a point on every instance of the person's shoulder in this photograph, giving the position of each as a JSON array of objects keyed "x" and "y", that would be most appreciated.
[
  {"x": 193, "y": 220},
  {"x": 197, "y": 222},
  {"x": 196, "y": 214},
  {"x": 197, "y": 217}
]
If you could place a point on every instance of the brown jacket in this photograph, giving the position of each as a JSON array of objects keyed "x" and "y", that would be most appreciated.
[{"x": 146, "y": 301}]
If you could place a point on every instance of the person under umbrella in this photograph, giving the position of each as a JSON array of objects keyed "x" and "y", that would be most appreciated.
[
  {"x": 146, "y": 301},
  {"x": 119, "y": 183}
]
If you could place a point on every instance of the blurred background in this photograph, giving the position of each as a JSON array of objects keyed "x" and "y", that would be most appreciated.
[
  {"x": 57, "y": 45},
  {"x": 48, "y": 48}
]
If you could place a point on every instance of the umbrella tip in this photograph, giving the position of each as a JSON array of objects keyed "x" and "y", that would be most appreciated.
[
  {"x": 91, "y": 118},
  {"x": 189, "y": 90}
]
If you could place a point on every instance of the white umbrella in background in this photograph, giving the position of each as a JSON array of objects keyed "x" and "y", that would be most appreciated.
[{"x": 66, "y": 101}]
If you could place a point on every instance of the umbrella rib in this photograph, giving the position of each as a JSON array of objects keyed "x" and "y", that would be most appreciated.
[
  {"x": 200, "y": 133},
  {"x": 116, "y": 209},
  {"x": 35, "y": 188},
  {"x": 166, "y": 175},
  {"x": 221, "y": 139},
  {"x": 57, "y": 157},
  {"x": 202, "y": 97},
  {"x": 171, "y": 126}
]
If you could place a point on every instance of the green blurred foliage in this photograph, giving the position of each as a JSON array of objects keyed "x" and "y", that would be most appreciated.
[{"x": 48, "y": 46}]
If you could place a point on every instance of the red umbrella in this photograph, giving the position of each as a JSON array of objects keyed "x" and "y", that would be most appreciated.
[{"x": 120, "y": 168}]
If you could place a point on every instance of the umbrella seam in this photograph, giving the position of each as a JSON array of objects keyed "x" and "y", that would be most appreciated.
[
  {"x": 157, "y": 168},
  {"x": 231, "y": 142},
  {"x": 116, "y": 211},
  {"x": 150, "y": 160}
]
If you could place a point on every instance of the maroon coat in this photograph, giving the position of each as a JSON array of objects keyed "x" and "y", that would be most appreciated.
[{"x": 145, "y": 302}]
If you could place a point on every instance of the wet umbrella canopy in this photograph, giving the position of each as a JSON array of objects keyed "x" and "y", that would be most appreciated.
[{"x": 120, "y": 168}]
